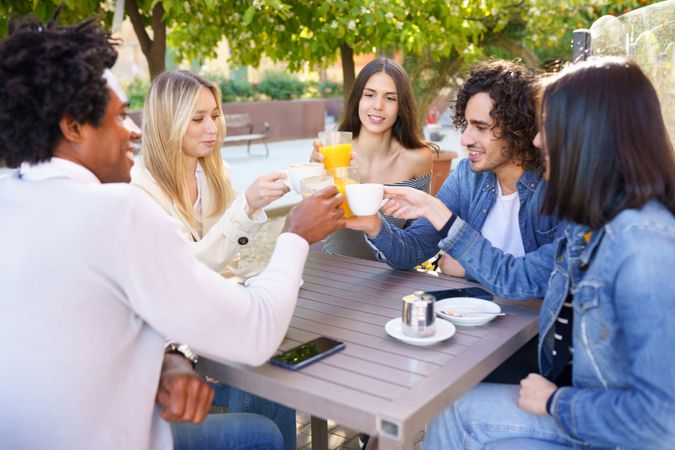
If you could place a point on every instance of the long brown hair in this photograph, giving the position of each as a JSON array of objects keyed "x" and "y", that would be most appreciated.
[
  {"x": 607, "y": 142},
  {"x": 406, "y": 129}
]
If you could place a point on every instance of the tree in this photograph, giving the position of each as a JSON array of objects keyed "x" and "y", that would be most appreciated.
[
  {"x": 148, "y": 17},
  {"x": 314, "y": 32},
  {"x": 437, "y": 37}
]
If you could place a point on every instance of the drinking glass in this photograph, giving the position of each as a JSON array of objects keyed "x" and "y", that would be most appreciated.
[
  {"x": 310, "y": 185},
  {"x": 336, "y": 147},
  {"x": 344, "y": 176},
  {"x": 296, "y": 172}
]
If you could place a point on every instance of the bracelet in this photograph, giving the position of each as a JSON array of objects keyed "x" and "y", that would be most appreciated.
[
  {"x": 184, "y": 350},
  {"x": 549, "y": 402}
]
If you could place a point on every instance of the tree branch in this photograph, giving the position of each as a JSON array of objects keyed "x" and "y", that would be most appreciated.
[
  {"x": 158, "y": 26},
  {"x": 139, "y": 28}
]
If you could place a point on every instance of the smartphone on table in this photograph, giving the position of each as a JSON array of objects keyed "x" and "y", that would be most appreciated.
[
  {"x": 307, "y": 353},
  {"x": 474, "y": 292}
]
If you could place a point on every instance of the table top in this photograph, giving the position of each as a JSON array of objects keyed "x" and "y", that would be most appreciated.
[{"x": 378, "y": 385}]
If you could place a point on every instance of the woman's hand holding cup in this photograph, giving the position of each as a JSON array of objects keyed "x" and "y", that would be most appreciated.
[
  {"x": 265, "y": 189},
  {"x": 318, "y": 157}
]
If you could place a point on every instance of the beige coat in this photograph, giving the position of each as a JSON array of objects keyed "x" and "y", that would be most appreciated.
[{"x": 223, "y": 237}]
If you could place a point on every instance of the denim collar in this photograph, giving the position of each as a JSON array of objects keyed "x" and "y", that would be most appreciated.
[
  {"x": 574, "y": 235},
  {"x": 528, "y": 181},
  {"x": 589, "y": 251}
]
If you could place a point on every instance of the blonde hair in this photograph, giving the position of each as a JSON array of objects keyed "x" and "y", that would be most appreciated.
[{"x": 167, "y": 112}]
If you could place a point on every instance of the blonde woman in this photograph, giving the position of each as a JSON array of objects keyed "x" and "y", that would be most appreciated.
[{"x": 182, "y": 170}]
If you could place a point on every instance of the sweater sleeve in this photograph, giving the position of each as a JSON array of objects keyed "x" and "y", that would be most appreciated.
[{"x": 181, "y": 298}]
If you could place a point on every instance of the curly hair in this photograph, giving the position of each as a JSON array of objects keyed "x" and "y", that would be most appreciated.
[
  {"x": 512, "y": 89},
  {"x": 48, "y": 72}
]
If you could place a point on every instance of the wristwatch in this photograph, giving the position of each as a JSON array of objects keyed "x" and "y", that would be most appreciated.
[{"x": 174, "y": 347}]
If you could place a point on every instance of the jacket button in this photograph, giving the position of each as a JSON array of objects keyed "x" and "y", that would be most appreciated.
[{"x": 242, "y": 240}]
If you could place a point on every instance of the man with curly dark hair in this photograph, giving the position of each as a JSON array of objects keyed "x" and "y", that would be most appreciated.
[
  {"x": 498, "y": 189},
  {"x": 94, "y": 275}
]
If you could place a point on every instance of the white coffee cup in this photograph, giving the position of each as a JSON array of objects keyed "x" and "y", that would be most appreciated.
[
  {"x": 364, "y": 199},
  {"x": 297, "y": 172}
]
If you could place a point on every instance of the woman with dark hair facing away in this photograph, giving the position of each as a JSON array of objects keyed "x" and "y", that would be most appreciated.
[
  {"x": 388, "y": 144},
  {"x": 607, "y": 281}
]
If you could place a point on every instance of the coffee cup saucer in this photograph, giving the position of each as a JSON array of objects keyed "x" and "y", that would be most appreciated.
[{"x": 444, "y": 330}]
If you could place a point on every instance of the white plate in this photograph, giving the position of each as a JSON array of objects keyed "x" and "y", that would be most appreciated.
[
  {"x": 248, "y": 281},
  {"x": 444, "y": 330},
  {"x": 464, "y": 305}
]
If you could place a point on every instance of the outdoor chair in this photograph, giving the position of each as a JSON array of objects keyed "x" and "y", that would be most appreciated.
[{"x": 243, "y": 121}]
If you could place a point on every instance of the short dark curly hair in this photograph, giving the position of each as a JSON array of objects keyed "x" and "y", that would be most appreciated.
[
  {"x": 512, "y": 89},
  {"x": 48, "y": 72}
]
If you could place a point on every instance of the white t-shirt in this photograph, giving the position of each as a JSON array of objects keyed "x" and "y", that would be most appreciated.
[
  {"x": 92, "y": 277},
  {"x": 502, "y": 227}
]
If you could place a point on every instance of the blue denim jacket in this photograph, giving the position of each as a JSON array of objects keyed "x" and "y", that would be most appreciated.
[
  {"x": 470, "y": 196},
  {"x": 623, "y": 286}
]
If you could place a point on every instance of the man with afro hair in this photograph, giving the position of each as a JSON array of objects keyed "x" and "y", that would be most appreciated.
[{"x": 94, "y": 276}]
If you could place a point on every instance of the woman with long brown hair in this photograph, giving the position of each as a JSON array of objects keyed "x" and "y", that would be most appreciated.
[{"x": 388, "y": 144}]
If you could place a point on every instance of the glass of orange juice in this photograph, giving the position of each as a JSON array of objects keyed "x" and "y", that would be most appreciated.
[
  {"x": 336, "y": 148},
  {"x": 343, "y": 176}
]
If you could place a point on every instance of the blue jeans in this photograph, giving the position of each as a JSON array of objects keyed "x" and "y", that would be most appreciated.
[
  {"x": 228, "y": 432},
  {"x": 238, "y": 401},
  {"x": 488, "y": 417}
]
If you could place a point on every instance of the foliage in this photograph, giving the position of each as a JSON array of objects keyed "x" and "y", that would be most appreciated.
[
  {"x": 232, "y": 90},
  {"x": 330, "y": 89},
  {"x": 137, "y": 90},
  {"x": 280, "y": 85},
  {"x": 273, "y": 85},
  {"x": 437, "y": 37},
  {"x": 192, "y": 19}
]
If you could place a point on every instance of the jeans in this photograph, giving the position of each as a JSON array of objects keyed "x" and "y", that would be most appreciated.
[
  {"x": 488, "y": 417},
  {"x": 228, "y": 432},
  {"x": 238, "y": 401}
]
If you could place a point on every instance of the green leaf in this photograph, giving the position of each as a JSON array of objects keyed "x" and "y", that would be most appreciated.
[{"x": 248, "y": 15}]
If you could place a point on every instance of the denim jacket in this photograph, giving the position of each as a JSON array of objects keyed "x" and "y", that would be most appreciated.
[
  {"x": 623, "y": 287},
  {"x": 470, "y": 196}
]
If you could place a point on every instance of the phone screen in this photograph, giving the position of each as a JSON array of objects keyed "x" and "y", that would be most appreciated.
[
  {"x": 474, "y": 292},
  {"x": 307, "y": 353}
]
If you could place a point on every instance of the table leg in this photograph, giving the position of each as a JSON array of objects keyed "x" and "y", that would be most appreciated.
[{"x": 319, "y": 433}]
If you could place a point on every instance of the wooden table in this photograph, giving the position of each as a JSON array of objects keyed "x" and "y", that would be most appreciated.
[{"x": 377, "y": 385}]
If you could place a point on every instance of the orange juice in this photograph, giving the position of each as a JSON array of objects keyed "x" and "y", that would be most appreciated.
[
  {"x": 340, "y": 184},
  {"x": 336, "y": 155}
]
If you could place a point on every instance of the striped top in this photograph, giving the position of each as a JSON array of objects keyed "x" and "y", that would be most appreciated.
[{"x": 353, "y": 243}]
